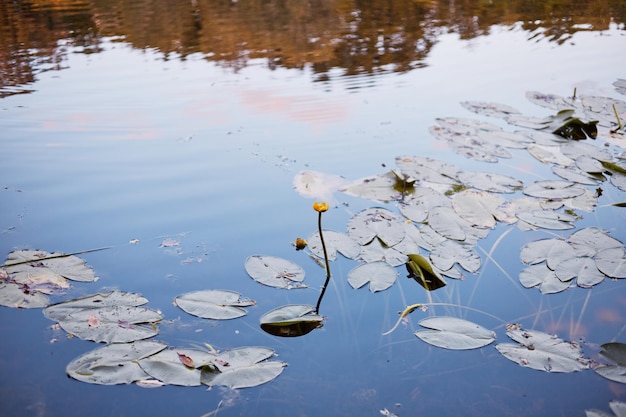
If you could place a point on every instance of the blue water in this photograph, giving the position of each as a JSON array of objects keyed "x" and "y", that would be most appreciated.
[{"x": 124, "y": 145}]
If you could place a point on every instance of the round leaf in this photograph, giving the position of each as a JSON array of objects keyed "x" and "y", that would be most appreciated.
[
  {"x": 380, "y": 276},
  {"x": 275, "y": 272},
  {"x": 454, "y": 333},
  {"x": 177, "y": 366},
  {"x": 376, "y": 222},
  {"x": 214, "y": 304}
]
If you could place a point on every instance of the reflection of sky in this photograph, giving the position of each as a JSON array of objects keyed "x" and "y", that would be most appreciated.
[{"x": 222, "y": 151}]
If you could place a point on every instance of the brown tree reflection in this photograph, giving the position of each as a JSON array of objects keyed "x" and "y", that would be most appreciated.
[{"x": 354, "y": 36}]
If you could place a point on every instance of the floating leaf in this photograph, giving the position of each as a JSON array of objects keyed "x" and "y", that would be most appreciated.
[
  {"x": 454, "y": 333},
  {"x": 67, "y": 266},
  {"x": 376, "y": 251},
  {"x": 447, "y": 253},
  {"x": 618, "y": 408},
  {"x": 114, "y": 364},
  {"x": 13, "y": 295},
  {"x": 616, "y": 353},
  {"x": 422, "y": 271},
  {"x": 553, "y": 189},
  {"x": 446, "y": 222},
  {"x": 591, "y": 240},
  {"x": 553, "y": 251},
  {"x": 291, "y": 320},
  {"x": 243, "y": 368},
  {"x": 428, "y": 169},
  {"x": 583, "y": 269},
  {"x": 549, "y": 154},
  {"x": 214, "y": 304},
  {"x": 380, "y": 276},
  {"x": 611, "y": 262},
  {"x": 548, "y": 219},
  {"x": 275, "y": 272},
  {"x": 490, "y": 109},
  {"x": 376, "y": 223},
  {"x": 335, "y": 242},
  {"x": 378, "y": 188},
  {"x": 177, "y": 366},
  {"x": 417, "y": 207},
  {"x": 479, "y": 208},
  {"x": 541, "y": 351},
  {"x": 119, "y": 317},
  {"x": 541, "y": 276},
  {"x": 494, "y": 183}
]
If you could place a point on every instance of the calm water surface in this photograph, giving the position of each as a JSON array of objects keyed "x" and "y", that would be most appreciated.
[{"x": 156, "y": 120}]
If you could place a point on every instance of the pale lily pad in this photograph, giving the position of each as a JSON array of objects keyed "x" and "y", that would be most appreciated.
[
  {"x": 242, "y": 368},
  {"x": 70, "y": 267},
  {"x": 291, "y": 320},
  {"x": 553, "y": 189},
  {"x": 214, "y": 304},
  {"x": 541, "y": 351},
  {"x": 576, "y": 175},
  {"x": 542, "y": 277},
  {"x": 177, "y": 366},
  {"x": 275, "y": 272},
  {"x": 377, "y": 188},
  {"x": 618, "y": 408},
  {"x": 428, "y": 169},
  {"x": 490, "y": 109},
  {"x": 114, "y": 364},
  {"x": 454, "y": 333},
  {"x": 583, "y": 269},
  {"x": 335, "y": 242},
  {"x": 380, "y": 276},
  {"x": 479, "y": 208},
  {"x": 376, "y": 251},
  {"x": 447, "y": 253},
  {"x": 553, "y": 251},
  {"x": 13, "y": 295},
  {"x": 549, "y": 155},
  {"x": 611, "y": 262},
  {"x": 494, "y": 183},
  {"x": 548, "y": 219},
  {"x": 111, "y": 318},
  {"x": 417, "y": 207},
  {"x": 376, "y": 223},
  {"x": 591, "y": 240},
  {"x": 446, "y": 222}
]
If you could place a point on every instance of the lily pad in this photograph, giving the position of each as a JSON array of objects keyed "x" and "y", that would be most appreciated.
[
  {"x": 591, "y": 240},
  {"x": 548, "y": 219},
  {"x": 379, "y": 275},
  {"x": 417, "y": 207},
  {"x": 616, "y": 353},
  {"x": 177, "y": 366},
  {"x": 214, "y": 304},
  {"x": 336, "y": 242},
  {"x": 541, "y": 351},
  {"x": 553, "y": 251},
  {"x": 446, "y": 222},
  {"x": 70, "y": 267},
  {"x": 489, "y": 108},
  {"x": 376, "y": 223},
  {"x": 553, "y": 189},
  {"x": 13, "y": 295},
  {"x": 291, "y": 320},
  {"x": 611, "y": 262},
  {"x": 115, "y": 317},
  {"x": 618, "y": 408},
  {"x": 275, "y": 272},
  {"x": 378, "y": 188},
  {"x": 454, "y": 333},
  {"x": 114, "y": 364},
  {"x": 479, "y": 208},
  {"x": 494, "y": 183},
  {"x": 319, "y": 185},
  {"x": 542, "y": 277},
  {"x": 428, "y": 169},
  {"x": 242, "y": 368},
  {"x": 447, "y": 253},
  {"x": 583, "y": 269}
]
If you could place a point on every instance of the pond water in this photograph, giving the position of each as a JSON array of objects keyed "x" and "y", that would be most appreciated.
[{"x": 190, "y": 121}]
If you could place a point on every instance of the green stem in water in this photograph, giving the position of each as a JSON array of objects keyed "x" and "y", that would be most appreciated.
[{"x": 319, "y": 227}]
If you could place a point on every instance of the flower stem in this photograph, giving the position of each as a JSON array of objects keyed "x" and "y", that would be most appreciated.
[{"x": 319, "y": 227}]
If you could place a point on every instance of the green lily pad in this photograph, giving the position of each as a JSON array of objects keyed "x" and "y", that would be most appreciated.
[
  {"x": 379, "y": 275},
  {"x": 214, "y": 304},
  {"x": 454, "y": 333},
  {"x": 114, "y": 364},
  {"x": 275, "y": 272},
  {"x": 291, "y": 320},
  {"x": 543, "y": 352}
]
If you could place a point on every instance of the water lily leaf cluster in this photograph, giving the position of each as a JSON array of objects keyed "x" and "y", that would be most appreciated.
[
  {"x": 29, "y": 276},
  {"x": 586, "y": 257}
]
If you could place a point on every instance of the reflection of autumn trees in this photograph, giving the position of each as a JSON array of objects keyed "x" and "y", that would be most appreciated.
[{"x": 356, "y": 36}]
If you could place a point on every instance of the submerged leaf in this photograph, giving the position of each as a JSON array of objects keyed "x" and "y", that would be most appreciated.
[
  {"x": 422, "y": 271},
  {"x": 214, "y": 304},
  {"x": 275, "y": 272},
  {"x": 454, "y": 333},
  {"x": 541, "y": 351}
]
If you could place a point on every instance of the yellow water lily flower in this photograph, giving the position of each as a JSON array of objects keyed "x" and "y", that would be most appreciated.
[{"x": 320, "y": 207}]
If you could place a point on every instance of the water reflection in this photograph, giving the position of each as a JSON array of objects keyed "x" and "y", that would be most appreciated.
[{"x": 356, "y": 37}]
